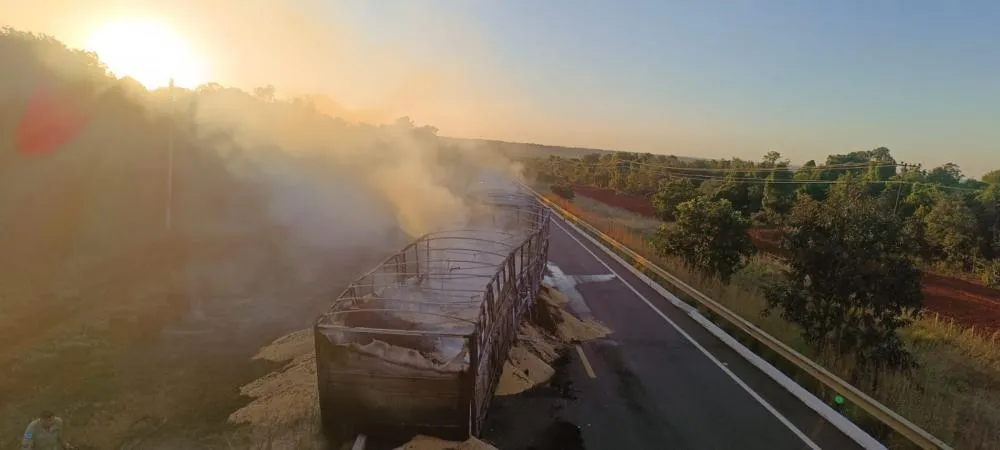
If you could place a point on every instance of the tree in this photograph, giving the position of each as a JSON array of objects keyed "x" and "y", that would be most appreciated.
[
  {"x": 404, "y": 123},
  {"x": 640, "y": 182},
  {"x": 265, "y": 93},
  {"x": 992, "y": 177},
  {"x": 949, "y": 231},
  {"x": 809, "y": 173},
  {"x": 745, "y": 198},
  {"x": 209, "y": 87},
  {"x": 989, "y": 274},
  {"x": 777, "y": 196},
  {"x": 672, "y": 194},
  {"x": 986, "y": 207},
  {"x": 914, "y": 209},
  {"x": 709, "y": 236},
  {"x": 850, "y": 285},
  {"x": 563, "y": 190},
  {"x": 878, "y": 159},
  {"x": 771, "y": 158},
  {"x": 947, "y": 175}
]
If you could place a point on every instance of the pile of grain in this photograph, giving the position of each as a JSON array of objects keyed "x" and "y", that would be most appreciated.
[
  {"x": 285, "y": 409},
  {"x": 523, "y": 370},
  {"x": 549, "y": 330},
  {"x": 568, "y": 328},
  {"x": 422, "y": 442}
]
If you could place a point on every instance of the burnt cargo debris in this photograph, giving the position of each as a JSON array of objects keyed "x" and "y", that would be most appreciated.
[{"x": 420, "y": 341}]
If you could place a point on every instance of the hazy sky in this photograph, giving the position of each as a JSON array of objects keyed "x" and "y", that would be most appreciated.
[{"x": 700, "y": 78}]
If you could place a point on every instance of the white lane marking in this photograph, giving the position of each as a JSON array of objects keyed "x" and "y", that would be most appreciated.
[
  {"x": 583, "y": 279},
  {"x": 708, "y": 355},
  {"x": 567, "y": 285},
  {"x": 585, "y": 361},
  {"x": 850, "y": 429},
  {"x": 359, "y": 442}
]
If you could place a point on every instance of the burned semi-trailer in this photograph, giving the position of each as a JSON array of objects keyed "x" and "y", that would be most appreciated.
[{"x": 419, "y": 342}]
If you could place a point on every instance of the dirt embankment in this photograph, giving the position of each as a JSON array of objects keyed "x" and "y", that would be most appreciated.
[
  {"x": 966, "y": 302},
  {"x": 634, "y": 203},
  {"x": 284, "y": 411}
]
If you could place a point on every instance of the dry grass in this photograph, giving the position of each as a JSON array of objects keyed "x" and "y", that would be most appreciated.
[
  {"x": 954, "y": 394},
  {"x": 135, "y": 370},
  {"x": 629, "y": 220}
]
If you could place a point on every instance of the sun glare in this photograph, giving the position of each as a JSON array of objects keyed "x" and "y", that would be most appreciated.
[{"x": 147, "y": 51}]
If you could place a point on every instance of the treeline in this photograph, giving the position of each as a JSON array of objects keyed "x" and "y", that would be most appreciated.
[
  {"x": 119, "y": 205},
  {"x": 953, "y": 220},
  {"x": 854, "y": 232},
  {"x": 84, "y": 162},
  {"x": 90, "y": 163}
]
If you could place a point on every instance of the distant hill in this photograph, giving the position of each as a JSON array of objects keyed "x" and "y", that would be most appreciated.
[{"x": 521, "y": 150}]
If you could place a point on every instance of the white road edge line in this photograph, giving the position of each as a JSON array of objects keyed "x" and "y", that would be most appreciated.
[
  {"x": 708, "y": 355},
  {"x": 359, "y": 442},
  {"x": 825, "y": 411}
]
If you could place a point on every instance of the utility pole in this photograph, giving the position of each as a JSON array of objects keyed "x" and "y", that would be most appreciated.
[
  {"x": 173, "y": 250},
  {"x": 170, "y": 161}
]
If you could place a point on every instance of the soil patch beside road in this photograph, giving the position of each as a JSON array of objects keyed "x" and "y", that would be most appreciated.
[{"x": 634, "y": 203}]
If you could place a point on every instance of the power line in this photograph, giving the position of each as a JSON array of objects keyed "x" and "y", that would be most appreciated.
[
  {"x": 169, "y": 213},
  {"x": 620, "y": 163},
  {"x": 678, "y": 172},
  {"x": 743, "y": 180}
]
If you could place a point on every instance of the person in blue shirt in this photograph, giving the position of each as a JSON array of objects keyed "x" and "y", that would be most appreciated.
[{"x": 45, "y": 433}]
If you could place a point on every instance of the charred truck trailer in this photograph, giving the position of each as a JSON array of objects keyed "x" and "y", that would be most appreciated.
[{"x": 419, "y": 342}]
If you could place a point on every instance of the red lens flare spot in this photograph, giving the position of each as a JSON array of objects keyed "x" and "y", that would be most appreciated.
[{"x": 50, "y": 121}]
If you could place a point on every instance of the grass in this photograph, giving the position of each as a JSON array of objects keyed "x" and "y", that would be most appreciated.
[
  {"x": 954, "y": 394},
  {"x": 619, "y": 217}
]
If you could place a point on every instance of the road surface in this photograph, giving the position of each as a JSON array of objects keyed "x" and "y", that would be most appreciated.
[{"x": 659, "y": 381}]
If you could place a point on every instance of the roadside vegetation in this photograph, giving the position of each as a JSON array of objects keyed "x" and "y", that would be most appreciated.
[
  {"x": 138, "y": 329},
  {"x": 90, "y": 275},
  {"x": 709, "y": 236},
  {"x": 842, "y": 284}
]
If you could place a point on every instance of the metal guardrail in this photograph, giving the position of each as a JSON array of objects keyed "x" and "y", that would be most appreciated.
[{"x": 899, "y": 424}]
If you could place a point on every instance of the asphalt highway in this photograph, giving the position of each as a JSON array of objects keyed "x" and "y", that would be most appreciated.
[{"x": 658, "y": 381}]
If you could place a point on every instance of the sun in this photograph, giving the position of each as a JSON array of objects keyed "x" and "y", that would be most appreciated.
[{"x": 147, "y": 51}]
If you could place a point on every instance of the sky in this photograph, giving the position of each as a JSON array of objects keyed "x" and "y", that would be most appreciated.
[{"x": 710, "y": 78}]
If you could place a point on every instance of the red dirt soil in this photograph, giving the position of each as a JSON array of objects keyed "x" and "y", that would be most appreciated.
[
  {"x": 634, "y": 203},
  {"x": 966, "y": 302},
  {"x": 767, "y": 240}
]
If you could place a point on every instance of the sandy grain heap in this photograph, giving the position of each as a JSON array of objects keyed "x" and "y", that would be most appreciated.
[
  {"x": 285, "y": 408},
  {"x": 548, "y": 331},
  {"x": 422, "y": 442}
]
